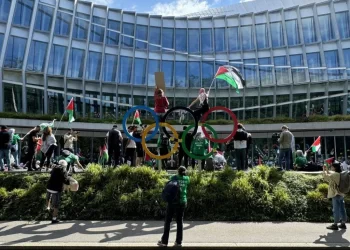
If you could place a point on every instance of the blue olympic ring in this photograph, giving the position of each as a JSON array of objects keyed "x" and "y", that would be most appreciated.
[{"x": 130, "y": 111}]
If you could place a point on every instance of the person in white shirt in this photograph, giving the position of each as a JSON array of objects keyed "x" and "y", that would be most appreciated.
[
  {"x": 130, "y": 148},
  {"x": 240, "y": 144},
  {"x": 203, "y": 103},
  {"x": 69, "y": 140},
  {"x": 48, "y": 146}
]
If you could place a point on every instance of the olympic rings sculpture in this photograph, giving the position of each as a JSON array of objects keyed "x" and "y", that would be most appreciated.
[{"x": 162, "y": 124}]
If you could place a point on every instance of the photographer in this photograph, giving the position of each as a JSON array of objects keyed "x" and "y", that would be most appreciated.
[
  {"x": 69, "y": 139},
  {"x": 285, "y": 142}
]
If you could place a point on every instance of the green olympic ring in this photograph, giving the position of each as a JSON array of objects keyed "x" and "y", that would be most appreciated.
[{"x": 198, "y": 157}]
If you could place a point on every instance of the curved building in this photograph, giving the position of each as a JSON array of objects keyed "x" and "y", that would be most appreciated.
[{"x": 295, "y": 58}]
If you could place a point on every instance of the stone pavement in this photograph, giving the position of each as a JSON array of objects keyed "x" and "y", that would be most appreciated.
[{"x": 145, "y": 234}]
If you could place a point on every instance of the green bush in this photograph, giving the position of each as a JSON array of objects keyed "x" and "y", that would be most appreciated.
[{"x": 125, "y": 193}]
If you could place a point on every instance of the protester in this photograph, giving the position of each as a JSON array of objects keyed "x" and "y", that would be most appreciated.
[
  {"x": 219, "y": 160},
  {"x": 240, "y": 144},
  {"x": 114, "y": 143},
  {"x": 48, "y": 147},
  {"x": 139, "y": 149},
  {"x": 161, "y": 102},
  {"x": 14, "y": 147},
  {"x": 176, "y": 207},
  {"x": 71, "y": 159},
  {"x": 130, "y": 148},
  {"x": 199, "y": 147},
  {"x": 203, "y": 104},
  {"x": 163, "y": 146},
  {"x": 33, "y": 138},
  {"x": 69, "y": 138},
  {"x": 5, "y": 145},
  {"x": 292, "y": 154},
  {"x": 188, "y": 143},
  {"x": 339, "y": 211},
  {"x": 58, "y": 178},
  {"x": 285, "y": 142},
  {"x": 300, "y": 160}
]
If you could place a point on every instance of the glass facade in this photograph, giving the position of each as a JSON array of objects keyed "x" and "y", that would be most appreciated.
[
  {"x": 343, "y": 23},
  {"x": 81, "y": 29},
  {"x": 220, "y": 40},
  {"x": 4, "y": 10},
  {"x": 93, "y": 69},
  {"x": 37, "y": 56},
  {"x": 141, "y": 34},
  {"x": 193, "y": 40},
  {"x": 57, "y": 60},
  {"x": 76, "y": 63},
  {"x": 97, "y": 34},
  {"x": 181, "y": 40},
  {"x": 23, "y": 12},
  {"x": 44, "y": 17},
  {"x": 154, "y": 38},
  {"x": 110, "y": 68},
  {"x": 277, "y": 34},
  {"x": 140, "y": 71},
  {"x": 247, "y": 37},
  {"x": 262, "y": 36},
  {"x": 326, "y": 29},
  {"x": 292, "y": 31},
  {"x": 63, "y": 23},
  {"x": 309, "y": 31},
  {"x": 15, "y": 52}
]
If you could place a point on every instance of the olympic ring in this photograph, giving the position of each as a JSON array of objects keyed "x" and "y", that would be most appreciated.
[
  {"x": 175, "y": 137},
  {"x": 131, "y": 111},
  {"x": 181, "y": 108},
  {"x": 198, "y": 157},
  {"x": 235, "y": 123}
]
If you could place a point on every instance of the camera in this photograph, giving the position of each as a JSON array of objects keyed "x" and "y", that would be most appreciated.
[
  {"x": 275, "y": 137},
  {"x": 77, "y": 132}
]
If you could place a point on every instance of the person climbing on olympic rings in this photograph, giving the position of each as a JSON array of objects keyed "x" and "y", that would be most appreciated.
[
  {"x": 161, "y": 102},
  {"x": 203, "y": 104}
]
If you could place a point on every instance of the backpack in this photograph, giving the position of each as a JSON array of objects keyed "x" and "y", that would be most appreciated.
[
  {"x": 171, "y": 191},
  {"x": 344, "y": 184}
]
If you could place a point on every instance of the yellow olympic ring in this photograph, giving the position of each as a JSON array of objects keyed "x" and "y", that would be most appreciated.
[{"x": 175, "y": 136}]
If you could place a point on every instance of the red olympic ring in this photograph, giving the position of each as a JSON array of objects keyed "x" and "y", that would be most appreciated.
[{"x": 235, "y": 123}]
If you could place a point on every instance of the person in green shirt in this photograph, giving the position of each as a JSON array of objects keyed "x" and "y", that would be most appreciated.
[
  {"x": 199, "y": 147},
  {"x": 14, "y": 146},
  {"x": 300, "y": 160},
  {"x": 71, "y": 159},
  {"x": 177, "y": 207}
]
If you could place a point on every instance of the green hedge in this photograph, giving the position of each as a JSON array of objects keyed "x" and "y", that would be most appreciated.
[
  {"x": 314, "y": 118},
  {"x": 264, "y": 194}
]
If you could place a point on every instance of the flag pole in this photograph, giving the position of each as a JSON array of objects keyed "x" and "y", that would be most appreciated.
[
  {"x": 59, "y": 122},
  {"x": 211, "y": 85},
  {"x": 133, "y": 119}
]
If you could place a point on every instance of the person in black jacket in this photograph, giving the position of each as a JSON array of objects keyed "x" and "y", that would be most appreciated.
[
  {"x": 188, "y": 143},
  {"x": 114, "y": 143},
  {"x": 5, "y": 145},
  {"x": 54, "y": 188}
]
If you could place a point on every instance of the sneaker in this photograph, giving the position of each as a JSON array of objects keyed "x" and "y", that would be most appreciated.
[
  {"x": 161, "y": 244},
  {"x": 342, "y": 226},
  {"x": 177, "y": 244},
  {"x": 55, "y": 221},
  {"x": 333, "y": 227}
]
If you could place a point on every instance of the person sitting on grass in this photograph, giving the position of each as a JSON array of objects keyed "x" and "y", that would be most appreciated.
[
  {"x": 300, "y": 160},
  {"x": 71, "y": 159},
  {"x": 58, "y": 177}
]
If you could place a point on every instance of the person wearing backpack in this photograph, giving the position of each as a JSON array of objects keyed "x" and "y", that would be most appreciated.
[
  {"x": 177, "y": 203},
  {"x": 335, "y": 192}
]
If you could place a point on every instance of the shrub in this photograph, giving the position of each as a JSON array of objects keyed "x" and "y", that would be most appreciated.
[{"x": 263, "y": 194}]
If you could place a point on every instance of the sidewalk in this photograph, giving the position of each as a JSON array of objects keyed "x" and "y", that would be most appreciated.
[{"x": 145, "y": 234}]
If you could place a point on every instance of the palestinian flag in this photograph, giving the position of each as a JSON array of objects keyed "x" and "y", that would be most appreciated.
[
  {"x": 316, "y": 145},
  {"x": 45, "y": 125},
  {"x": 232, "y": 76},
  {"x": 329, "y": 161},
  {"x": 137, "y": 117},
  {"x": 104, "y": 153},
  {"x": 70, "y": 110}
]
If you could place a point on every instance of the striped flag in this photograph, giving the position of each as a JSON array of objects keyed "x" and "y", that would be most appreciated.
[
  {"x": 104, "y": 153},
  {"x": 137, "y": 117},
  {"x": 70, "y": 110}
]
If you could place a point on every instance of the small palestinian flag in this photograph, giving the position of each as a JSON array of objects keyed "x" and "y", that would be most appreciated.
[
  {"x": 70, "y": 110},
  {"x": 137, "y": 117},
  {"x": 316, "y": 145},
  {"x": 329, "y": 161},
  {"x": 104, "y": 153}
]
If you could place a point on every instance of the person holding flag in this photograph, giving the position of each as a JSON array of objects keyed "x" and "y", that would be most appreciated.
[{"x": 203, "y": 103}]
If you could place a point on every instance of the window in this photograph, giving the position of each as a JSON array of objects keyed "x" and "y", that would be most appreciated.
[
  {"x": 141, "y": 34},
  {"x": 314, "y": 62},
  {"x": 81, "y": 28},
  {"x": 265, "y": 71},
  {"x": 292, "y": 32},
  {"x": 298, "y": 74},
  {"x": 153, "y": 66},
  {"x": 332, "y": 61},
  {"x": 194, "y": 74},
  {"x": 114, "y": 25},
  {"x": 233, "y": 39},
  {"x": 94, "y": 66},
  {"x": 62, "y": 25},
  {"x": 76, "y": 63},
  {"x": 220, "y": 40},
  {"x": 180, "y": 74},
  {"x": 83, "y": 15},
  {"x": 282, "y": 75},
  {"x": 97, "y": 34},
  {"x": 35, "y": 101},
  {"x": 347, "y": 61},
  {"x": 277, "y": 34},
  {"x": 43, "y": 18},
  {"x": 99, "y": 20},
  {"x": 168, "y": 69},
  {"x": 15, "y": 52},
  {"x": 110, "y": 68},
  {"x": 112, "y": 38},
  {"x": 4, "y": 10},
  {"x": 125, "y": 68},
  {"x": 250, "y": 72},
  {"x": 326, "y": 29},
  {"x": 140, "y": 71},
  {"x": 247, "y": 37},
  {"x": 309, "y": 30},
  {"x": 181, "y": 40},
  {"x": 57, "y": 60},
  {"x": 23, "y": 12},
  {"x": 128, "y": 29},
  {"x": 262, "y": 39},
  {"x": 207, "y": 73},
  {"x": 207, "y": 40},
  {"x": 343, "y": 24},
  {"x": 193, "y": 40},
  {"x": 1, "y": 40},
  {"x": 154, "y": 38},
  {"x": 168, "y": 38},
  {"x": 37, "y": 56}
]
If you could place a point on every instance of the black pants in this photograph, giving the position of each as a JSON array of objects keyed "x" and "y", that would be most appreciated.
[
  {"x": 200, "y": 111},
  {"x": 183, "y": 155},
  {"x": 241, "y": 158},
  {"x": 193, "y": 163},
  {"x": 179, "y": 210},
  {"x": 115, "y": 152},
  {"x": 28, "y": 159},
  {"x": 130, "y": 155},
  {"x": 47, "y": 156}
]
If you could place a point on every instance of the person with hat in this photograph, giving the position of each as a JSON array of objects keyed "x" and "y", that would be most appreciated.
[
  {"x": 114, "y": 143},
  {"x": 285, "y": 142},
  {"x": 177, "y": 207},
  {"x": 58, "y": 177}
]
